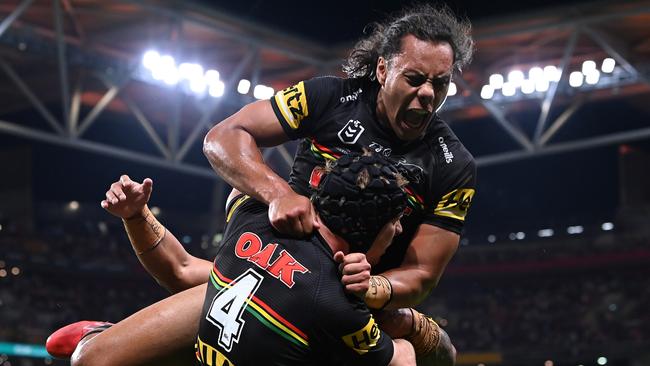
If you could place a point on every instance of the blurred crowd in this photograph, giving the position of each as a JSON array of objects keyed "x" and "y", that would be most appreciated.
[{"x": 487, "y": 301}]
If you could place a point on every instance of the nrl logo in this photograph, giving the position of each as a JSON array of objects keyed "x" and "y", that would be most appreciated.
[{"x": 350, "y": 133}]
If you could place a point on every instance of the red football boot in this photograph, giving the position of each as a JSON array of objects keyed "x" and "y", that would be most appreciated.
[{"x": 63, "y": 342}]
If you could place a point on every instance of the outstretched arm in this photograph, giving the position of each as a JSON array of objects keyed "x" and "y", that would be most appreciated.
[{"x": 161, "y": 254}]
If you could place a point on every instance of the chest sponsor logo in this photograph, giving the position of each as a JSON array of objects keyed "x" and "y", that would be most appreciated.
[
  {"x": 351, "y": 97},
  {"x": 351, "y": 132},
  {"x": 448, "y": 156},
  {"x": 363, "y": 339},
  {"x": 455, "y": 204},
  {"x": 281, "y": 266},
  {"x": 292, "y": 103}
]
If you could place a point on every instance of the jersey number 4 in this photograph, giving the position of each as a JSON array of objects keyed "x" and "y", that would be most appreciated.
[{"x": 229, "y": 304}]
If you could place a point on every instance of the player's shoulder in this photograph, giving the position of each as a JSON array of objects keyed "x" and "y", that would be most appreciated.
[
  {"x": 341, "y": 89},
  {"x": 448, "y": 149}
]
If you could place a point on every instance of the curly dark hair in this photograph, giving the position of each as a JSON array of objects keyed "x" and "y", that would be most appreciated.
[{"x": 424, "y": 21}]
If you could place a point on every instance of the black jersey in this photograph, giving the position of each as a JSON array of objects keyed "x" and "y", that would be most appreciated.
[
  {"x": 334, "y": 116},
  {"x": 275, "y": 300}
]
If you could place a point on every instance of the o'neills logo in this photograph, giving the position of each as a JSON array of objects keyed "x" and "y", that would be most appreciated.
[
  {"x": 446, "y": 153},
  {"x": 249, "y": 247}
]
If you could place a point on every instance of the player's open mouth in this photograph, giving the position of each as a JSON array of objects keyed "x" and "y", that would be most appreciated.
[{"x": 415, "y": 118}]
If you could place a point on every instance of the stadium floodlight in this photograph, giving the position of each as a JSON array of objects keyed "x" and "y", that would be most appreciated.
[
  {"x": 217, "y": 89},
  {"x": 545, "y": 233},
  {"x": 150, "y": 59},
  {"x": 552, "y": 73},
  {"x": 15, "y": 271},
  {"x": 487, "y": 92},
  {"x": 166, "y": 70},
  {"x": 3, "y": 273},
  {"x": 521, "y": 235},
  {"x": 263, "y": 92},
  {"x": 515, "y": 77},
  {"x": 602, "y": 360},
  {"x": 73, "y": 205},
  {"x": 576, "y": 229},
  {"x": 542, "y": 85},
  {"x": 491, "y": 238},
  {"x": 452, "y": 90},
  {"x": 575, "y": 79},
  {"x": 198, "y": 85},
  {"x": 211, "y": 76},
  {"x": 190, "y": 71},
  {"x": 155, "y": 210},
  {"x": 528, "y": 86},
  {"x": 535, "y": 73},
  {"x": 588, "y": 66},
  {"x": 512, "y": 236},
  {"x": 508, "y": 89},
  {"x": 592, "y": 77},
  {"x": 607, "y": 226},
  {"x": 608, "y": 65},
  {"x": 496, "y": 81},
  {"x": 244, "y": 86}
]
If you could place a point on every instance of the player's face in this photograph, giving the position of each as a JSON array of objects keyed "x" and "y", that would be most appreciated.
[
  {"x": 383, "y": 241},
  {"x": 413, "y": 85}
]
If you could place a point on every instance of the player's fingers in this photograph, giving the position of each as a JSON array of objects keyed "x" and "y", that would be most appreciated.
[
  {"x": 339, "y": 256},
  {"x": 296, "y": 227},
  {"x": 359, "y": 278},
  {"x": 356, "y": 288},
  {"x": 353, "y": 268},
  {"x": 147, "y": 185},
  {"x": 111, "y": 198},
  {"x": 125, "y": 180},
  {"x": 355, "y": 258},
  {"x": 306, "y": 223},
  {"x": 104, "y": 204},
  {"x": 315, "y": 224}
]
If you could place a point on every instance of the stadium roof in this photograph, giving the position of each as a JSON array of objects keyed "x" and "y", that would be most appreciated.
[{"x": 70, "y": 69}]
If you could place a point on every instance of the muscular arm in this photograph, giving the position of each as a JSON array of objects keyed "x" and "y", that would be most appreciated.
[
  {"x": 425, "y": 260},
  {"x": 161, "y": 254},
  {"x": 403, "y": 353},
  {"x": 232, "y": 148},
  {"x": 168, "y": 262}
]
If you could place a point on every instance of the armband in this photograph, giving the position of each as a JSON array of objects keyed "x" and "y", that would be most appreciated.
[
  {"x": 425, "y": 334},
  {"x": 144, "y": 231},
  {"x": 380, "y": 292}
]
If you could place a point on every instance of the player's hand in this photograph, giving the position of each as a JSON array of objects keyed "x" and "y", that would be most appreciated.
[
  {"x": 355, "y": 271},
  {"x": 126, "y": 198},
  {"x": 293, "y": 214}
]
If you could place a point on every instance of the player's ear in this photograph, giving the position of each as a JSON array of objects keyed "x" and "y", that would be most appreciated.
[{"x": 381, "y": 70}]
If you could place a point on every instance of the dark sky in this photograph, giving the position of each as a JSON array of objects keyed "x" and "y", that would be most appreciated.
[{"x": 337, "y": 21}]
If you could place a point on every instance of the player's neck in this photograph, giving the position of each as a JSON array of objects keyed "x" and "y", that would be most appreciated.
[{"x": 335, "y": 242}]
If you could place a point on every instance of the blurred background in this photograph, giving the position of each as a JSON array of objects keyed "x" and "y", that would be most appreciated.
[{"x": 553, "y": 267}]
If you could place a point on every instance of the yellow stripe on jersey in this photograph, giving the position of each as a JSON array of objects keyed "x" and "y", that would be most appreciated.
[
  {"x": 234, "y": 206},
  {"x": 363, "y": 339},
  {"x": 292, "y": 103},
  {"x": 455, "y": 204},
  {"x": 210, "y": 356}
]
